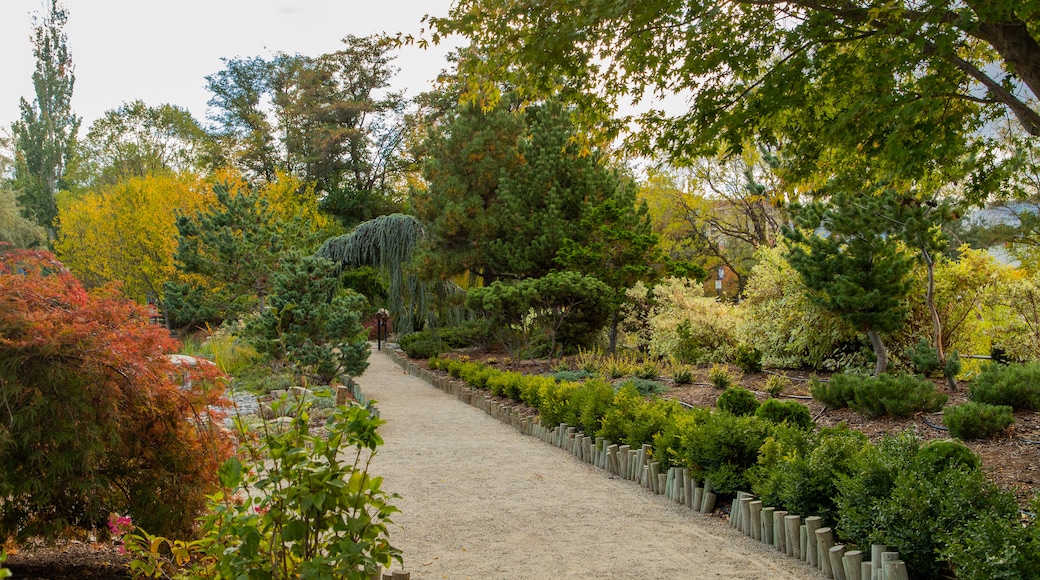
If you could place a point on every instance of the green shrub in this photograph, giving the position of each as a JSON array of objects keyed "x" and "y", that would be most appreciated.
[
  {"x": 720, "y": 377},
  {"x": 646, "y": 387},
  {"x": 649, "y": 370},
  {"x": 748, "y": 358},
  {"x": 977, "y": 420},
  {"x": 836, "y": 393},
  {"x": 554, "y": 402},
  {"x": 588, "y": 404},
  {"x": 531, "y": 389},
  {"x": 799, "y": 470},
  {"x": 893, "y": 395},
  {"x": 896, "y": 396},
  {"x": 910, "y": 497},
  {"x": 422, "y": 345},
  {"x": 506, "y": 384},
  {"x": 994, "y": 546},
  {"x": 578, "y": 375},
  {"x": 633, "y": 420},
  {"x": 923, "y": 358},
  {"x": 737, "y": 401},
  {"x": 1016, "y": 385},
  {"x": 775, "y": 385},
  {"x": 469, "y": 333},
  {"x": 682, "y": 374},
  {"x": 791, "y": 412},
  {"x": 720, "y": 447}
]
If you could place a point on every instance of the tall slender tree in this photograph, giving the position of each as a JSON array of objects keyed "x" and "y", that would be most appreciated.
[{"x": 45, "y": 135}]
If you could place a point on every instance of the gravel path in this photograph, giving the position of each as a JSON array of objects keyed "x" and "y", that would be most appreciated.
[{"x": 481, "y": 501}]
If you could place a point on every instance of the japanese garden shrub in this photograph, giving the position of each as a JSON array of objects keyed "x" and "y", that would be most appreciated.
[
  {"x": 791, "y": 412},
  {"x": 466, "y": 334},
  {"x": 477, "y": 375},
  {"x": 974, "y": 420},
  {"x": 505, "y": 384},
  {"x": 914, "y": 498},
  {"x": 748, "y": 358},
  {"x": 531, "y": 389},
  {"x": 634, "y": 420},
  {"x": 578, "y": 375},
  {"x": 717, "y": 446},
  {"x": 798, "y": 470},
  {"x": 894, "y": 395},
  {"x": 690, "y": 326},
  {"x": 1015, "y": 385},
  {"x": 737, "y": 401},
  {"x": 778, "y": 319}
]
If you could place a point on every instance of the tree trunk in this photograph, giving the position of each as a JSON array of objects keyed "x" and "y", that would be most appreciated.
[
  {"x": 937, "y": 339},
  {"x": 879, "y": 350}
]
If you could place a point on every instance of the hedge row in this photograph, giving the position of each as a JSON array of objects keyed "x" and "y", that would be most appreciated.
[{"x": 930, "y": 501}]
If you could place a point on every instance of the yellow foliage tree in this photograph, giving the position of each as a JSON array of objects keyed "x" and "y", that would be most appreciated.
[{"x": 127, "y": 231}]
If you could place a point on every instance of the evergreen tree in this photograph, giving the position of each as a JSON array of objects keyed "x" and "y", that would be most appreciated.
[
  {"x": 302, "y": 326},
  {"x": 847, "y": 253},
  {"x": 45, "y": 135}
]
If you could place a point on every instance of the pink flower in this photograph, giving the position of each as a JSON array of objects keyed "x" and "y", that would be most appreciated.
[{"x": 119, "y": 525}]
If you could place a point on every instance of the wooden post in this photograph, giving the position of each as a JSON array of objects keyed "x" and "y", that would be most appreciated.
[
  {"x": 887, "y": 559},
  {"x": 866, "y": 571},
  {"x": 756, "y": 519},
  {"x": 698, "y": 495},
  {"x": 812, "y": 523},
  {"x": 662, "y": 483},
  {"x": 803, "y": 543},
  {"x": 745, "y": 514},
  {"x": 791, "y": 525},
  {"x": 852, "y": 562},
  {"x": 896, "y": 570},
  {"x": 875, "y": 560},
  {"x": 837, "y": 566},
  {"x": 824, "y": 543},
  {"x": 708, "y": 503},
  {"x": 779, "y": 533},
  {"x": 766, "y": 533},
  {"x": 734, "y": 511},
  {"x": 687, "y": 488}
]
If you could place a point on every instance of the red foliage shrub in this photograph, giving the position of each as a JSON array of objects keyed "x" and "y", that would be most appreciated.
[{"x": 93, "y": 415}]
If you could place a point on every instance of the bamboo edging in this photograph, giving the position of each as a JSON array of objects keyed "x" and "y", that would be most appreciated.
[{"x": 788, "y": 533}]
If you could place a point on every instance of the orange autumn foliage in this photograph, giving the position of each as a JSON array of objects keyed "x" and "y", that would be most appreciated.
[{"x": 94, "y": 417}]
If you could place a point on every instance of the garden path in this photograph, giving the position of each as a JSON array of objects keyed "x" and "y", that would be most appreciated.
[{"x": 481, "y": 501}]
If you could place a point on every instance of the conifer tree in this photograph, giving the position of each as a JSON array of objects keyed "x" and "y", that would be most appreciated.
[{"x": 848, "y": 256}]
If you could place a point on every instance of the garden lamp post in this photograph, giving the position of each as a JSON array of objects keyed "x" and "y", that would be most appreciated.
[{"x": 381, "y": 317}]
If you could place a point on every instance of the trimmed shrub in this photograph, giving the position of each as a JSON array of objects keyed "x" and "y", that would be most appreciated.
[
  {"x": 422, "y": 345},
  {"x": 977, "y": 420},
  {"x": 737, "y": 401},
  {"x": 776, "y": 385},
  {"x": 799, "y": 470},
  {"x": 588, "y": 404},
  {"x": 1015, "y": 385},
  {"x": 893, "y": 395},
  {"x": 791, "y": 412},
  {"x": 635, "y": 420},
  {"x": 721, "y": 447},
  {"x": 923, "y": 358},
  {"x": 554, "y": 402},
  {"x": 994, "y": 546},
  {"x": 649, "y": 370},
  {"x": 578, "y": 375},
  {"x": 682, "y": 374},
  {"x": 720, "y": 377},
  {"x": 910, "y": 497}
]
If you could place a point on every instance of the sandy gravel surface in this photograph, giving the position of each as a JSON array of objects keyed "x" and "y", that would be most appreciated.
[{"x": 481, "y": 501}]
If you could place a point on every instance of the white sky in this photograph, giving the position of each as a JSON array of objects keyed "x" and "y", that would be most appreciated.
[{"x": 161, "y": 51}]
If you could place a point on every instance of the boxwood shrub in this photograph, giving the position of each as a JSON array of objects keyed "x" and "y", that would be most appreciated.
[{"x": 977, "y": 420}]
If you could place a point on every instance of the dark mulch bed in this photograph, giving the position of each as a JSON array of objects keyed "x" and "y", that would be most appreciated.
[{"x": 68, "y": 561}]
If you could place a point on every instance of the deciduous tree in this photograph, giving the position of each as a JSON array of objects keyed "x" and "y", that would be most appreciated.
[
  {"x": 97, "y": 419},
  {"x": 45, "y": 135}
]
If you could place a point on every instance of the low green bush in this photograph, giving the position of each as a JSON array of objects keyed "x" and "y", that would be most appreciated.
[
  {"x": 719, "y": 447},
  {"x": 977, "y": 420},
  {"x": 719, "y": 377},
  {"x": 646, "y": 387},
  {"x": 899, "y": 395},
  {"x": 910, "y": 497},
  {"x": 682, "y": 374},
  {"x": 799, "y": 470},
  {"x": 466, "y": 334},
  {"x": 994, "y": 546},
  {"x": 775, "y": 385},
  {"x": 555, "y": 403},
  {"x": 791, "y": 412},
  {"x": 737, "y": 401},
  {"x": 634, "y": 420},
  {"x": 578, "y": 375},
  {"x": 923, "y": 358},
  {"x": 422, "y": 345},
  {"x": 1016, "y": 385},
  {"x": 588, "y": 404},
  {"x": 748, "y": 358}
]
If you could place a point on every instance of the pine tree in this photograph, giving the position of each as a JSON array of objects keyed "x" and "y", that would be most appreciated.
[{"x": 848, "y": 256}]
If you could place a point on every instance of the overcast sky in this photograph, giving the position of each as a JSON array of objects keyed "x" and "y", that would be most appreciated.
[{"x": 161, "y": 51}]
